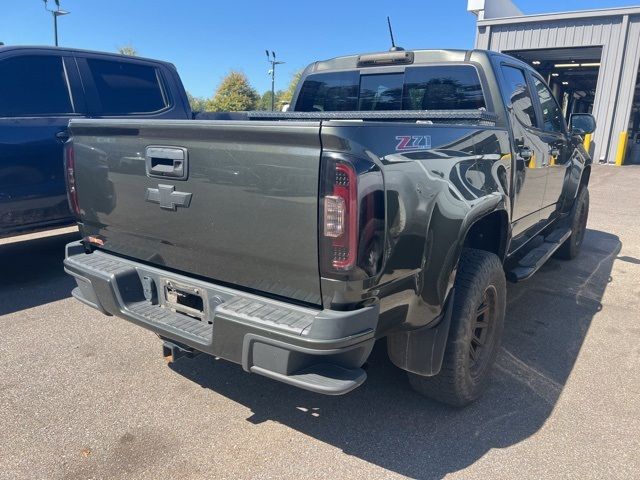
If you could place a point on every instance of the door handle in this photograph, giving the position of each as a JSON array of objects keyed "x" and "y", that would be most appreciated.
[
  {"x": 62, "y": 135},
  {"x": 167, "y": 162}
]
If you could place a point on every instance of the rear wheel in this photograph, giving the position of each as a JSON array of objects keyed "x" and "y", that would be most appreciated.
[
  {"x": 476, "y": 329},
  {"x": 578, "y": 224}
]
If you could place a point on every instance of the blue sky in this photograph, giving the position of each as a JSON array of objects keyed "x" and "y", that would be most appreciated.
[{"x": 207, "y": 38}]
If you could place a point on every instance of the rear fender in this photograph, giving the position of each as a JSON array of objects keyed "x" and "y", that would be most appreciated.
[
  {"x": 419, "y": 345},
  {"x": 445, "y": 242},
  {"x": 433, "y": 197}
]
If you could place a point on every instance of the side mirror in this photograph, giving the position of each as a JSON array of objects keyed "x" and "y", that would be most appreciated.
[{"x": 582, "y": 123}]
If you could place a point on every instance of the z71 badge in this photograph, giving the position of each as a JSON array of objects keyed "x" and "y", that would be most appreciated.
[{"x": 413, "y": 142}]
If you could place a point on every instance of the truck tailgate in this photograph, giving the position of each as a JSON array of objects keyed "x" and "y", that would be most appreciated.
[{"x": 245, "y": 213}]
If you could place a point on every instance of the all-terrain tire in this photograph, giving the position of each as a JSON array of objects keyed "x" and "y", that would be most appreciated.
[
  {"x": 577, "y": 222},
  {"x": 480, "y": 281}
]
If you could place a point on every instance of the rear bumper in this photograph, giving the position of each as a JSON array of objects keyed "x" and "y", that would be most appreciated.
[{"x": 319, "y": 350}]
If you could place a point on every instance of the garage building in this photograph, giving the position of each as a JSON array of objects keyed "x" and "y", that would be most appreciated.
[{"x": 589, "y": 58}]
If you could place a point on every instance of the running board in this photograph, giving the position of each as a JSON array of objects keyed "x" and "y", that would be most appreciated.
[{"x": 532, "y": 261}]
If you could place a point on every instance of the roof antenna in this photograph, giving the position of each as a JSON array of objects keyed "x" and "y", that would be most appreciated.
[{"x": 393, "y": 43}]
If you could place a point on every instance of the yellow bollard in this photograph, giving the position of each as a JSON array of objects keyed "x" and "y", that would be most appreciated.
[
  {"x": 587, "y": 142},
  {"x": 622, "y": 148}
]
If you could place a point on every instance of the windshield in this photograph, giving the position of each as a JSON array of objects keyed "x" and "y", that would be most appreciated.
[{"x": 448, "y": 87}]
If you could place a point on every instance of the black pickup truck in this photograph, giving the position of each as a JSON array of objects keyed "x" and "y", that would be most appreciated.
[
  {"x": 41, "y": 89},
  {"x": 394, "y": 200}
]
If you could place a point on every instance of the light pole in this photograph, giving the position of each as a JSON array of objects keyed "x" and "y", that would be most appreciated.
[
  {"x": 58, "y": 12},
  {"x": 272, "y": 60}
]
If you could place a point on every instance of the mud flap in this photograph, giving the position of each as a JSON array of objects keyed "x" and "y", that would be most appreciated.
[{"x": 421, "y": 351}]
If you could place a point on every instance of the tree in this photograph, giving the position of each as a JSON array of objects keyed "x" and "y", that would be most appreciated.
[
  {"x": 234, "y": 94},
  {"x": 128, "y": 50},
  {"x": 265, "y": 101},
  {"x": 198, "y": 104},
  {"x": 285, "y": 96}
]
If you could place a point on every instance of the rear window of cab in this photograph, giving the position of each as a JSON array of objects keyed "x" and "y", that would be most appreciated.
[{"x": 434, "y": 87}]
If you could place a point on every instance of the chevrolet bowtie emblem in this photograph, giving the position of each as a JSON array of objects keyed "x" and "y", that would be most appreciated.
[{"x": 167, "y": 197}]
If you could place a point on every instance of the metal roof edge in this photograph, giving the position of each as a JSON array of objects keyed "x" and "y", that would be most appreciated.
[{"x": 545, "y": 17}]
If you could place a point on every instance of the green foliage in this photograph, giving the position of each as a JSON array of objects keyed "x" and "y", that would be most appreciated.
[
  {"x": 265, "y": 101},
  {"x": 234, "y": 94},
  {"x": 128, "y": 50},
  {"x": 279, "y": 103},
  {"x": 283, "y": 97},
  {"x": 198, "y": 104},
  {"x": 286, "y": 96}
]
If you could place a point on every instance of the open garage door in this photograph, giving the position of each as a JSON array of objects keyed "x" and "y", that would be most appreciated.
[{"x": 572, "y": 74}]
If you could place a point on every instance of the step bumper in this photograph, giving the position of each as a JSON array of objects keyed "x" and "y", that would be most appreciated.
[{"x": 318, "y": 350}]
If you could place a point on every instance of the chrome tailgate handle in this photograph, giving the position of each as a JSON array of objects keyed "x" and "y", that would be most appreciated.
[{"x": 167, "y": 162}]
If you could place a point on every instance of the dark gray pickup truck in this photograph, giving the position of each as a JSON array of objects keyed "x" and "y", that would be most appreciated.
[{"x": 394, "y": 200}]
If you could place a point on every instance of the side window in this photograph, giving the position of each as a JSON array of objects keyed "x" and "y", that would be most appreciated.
[
  {"x": 33, "y": 85},
  {"x": 125, "y": 88},
  {"x": 450, "y": 87},
  {"x": 551, "y": 113},
  {"x": 518, "y": 96}
]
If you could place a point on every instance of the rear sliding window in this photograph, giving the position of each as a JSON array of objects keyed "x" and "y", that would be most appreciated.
[
  {"x": 449, "y": 87},
  {"x": 125, "y": 88}
]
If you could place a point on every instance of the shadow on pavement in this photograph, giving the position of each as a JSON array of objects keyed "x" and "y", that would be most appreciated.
[
  {"x": 32, "y": 273},
  {"x": 387, "y": 424}
]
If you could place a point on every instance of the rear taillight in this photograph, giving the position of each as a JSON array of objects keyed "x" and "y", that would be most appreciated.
[
  {"x": 339, "y": 227},
  {"x": 352, "y": 216},
  {"x": 70, "y": 176}
]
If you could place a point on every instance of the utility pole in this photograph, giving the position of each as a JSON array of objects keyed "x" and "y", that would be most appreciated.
[
  {"x": 272, "y": 60},
  {"x": 58, "y": 12}
]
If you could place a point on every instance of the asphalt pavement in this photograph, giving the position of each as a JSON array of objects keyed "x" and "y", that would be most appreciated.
[{"x": 86, "y": 396}]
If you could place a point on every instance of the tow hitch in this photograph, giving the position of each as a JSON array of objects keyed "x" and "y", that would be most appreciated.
[{"x": 172, "y": 351}]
